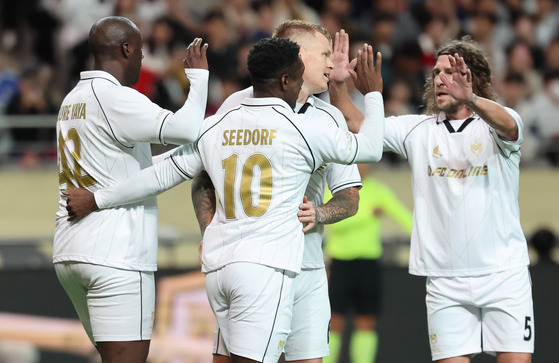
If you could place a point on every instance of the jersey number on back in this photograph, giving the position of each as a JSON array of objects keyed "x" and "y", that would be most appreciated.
[
  {"x": 247, "y": 179},
  {"x": 65, "y": 175}
]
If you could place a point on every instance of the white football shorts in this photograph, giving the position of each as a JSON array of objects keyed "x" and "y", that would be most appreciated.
[
  {"x": 490, "y": 313},
  {"x": 113, "y": 305},
  {"x": 253, "y": 306},
  {"x": 311, "y": 317}
]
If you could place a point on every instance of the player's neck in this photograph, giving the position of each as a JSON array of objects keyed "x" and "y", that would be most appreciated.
[
  {"x": 462, "y": 113},
  {"x": 304, "y": 95}
]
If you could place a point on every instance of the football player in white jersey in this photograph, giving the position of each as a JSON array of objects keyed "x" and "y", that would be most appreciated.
[
  {"x": 466, "y": 238},
  {"x": 259, "y": 157},
  {"x": 308, "y": 340},
  {"x": 106, "y": 262}
]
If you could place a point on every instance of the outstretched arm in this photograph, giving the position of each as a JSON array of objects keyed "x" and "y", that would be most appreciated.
[
  {"x": 339, "y": 94},
  {"x": 460, "y": 87},
  {"x": 148, "y": 182}
]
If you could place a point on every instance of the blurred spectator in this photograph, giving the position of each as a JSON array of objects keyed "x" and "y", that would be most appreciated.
[
  {"x": 76, "y": 18},
  {"x": 34, "y": 96},
  {"x": 544, "y": 122},
  {"x": 240, "y": 16},
  {"x": 513, "y": 93},
  {"x": 264, "y": 21},
  {"x": 223, "y": 47},
  {"x": 408, "y": 67},
  {"x": 336, "y": 15},
  {"x": 398, "y": 99},
  {"x": 8, "y": 79},
  {"x": 222, "y": 53},
  {"x": 521, "y": 60},
  {"x": 293, "y": 9},
  {"x": 482, "y": 27},
  {"x": 434, "y": 32},
  {"x": 544, "y": 241},
  {"x": 552, "y": 54},
  {"x": 547, "y": 21}
]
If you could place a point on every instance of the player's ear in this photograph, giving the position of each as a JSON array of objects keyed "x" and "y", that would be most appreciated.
[
  {"x": 126, "y": 50},
  {"x": 284, "y": 81}
]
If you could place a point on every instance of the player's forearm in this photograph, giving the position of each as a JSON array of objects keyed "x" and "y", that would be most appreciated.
[
  {"x": 343, "y": 205},
  {"x": 148, "y": 182},
  {"x": 495, "y": 116},
  {"x": 339, "y": 97},
  {"x": 183, "y": 126},
  {"x": 203, "y": 200},
  {"x": 370, "y": 137}
]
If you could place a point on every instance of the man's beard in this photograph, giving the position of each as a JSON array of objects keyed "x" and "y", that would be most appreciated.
[{"x": 452, "y": 107}]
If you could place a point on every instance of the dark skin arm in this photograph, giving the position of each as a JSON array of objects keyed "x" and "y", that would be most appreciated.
[{"x": 203, "y": 199}]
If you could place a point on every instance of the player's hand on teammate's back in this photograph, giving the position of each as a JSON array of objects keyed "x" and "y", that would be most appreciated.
[
  {"x": 196, "y": 55},
  {"x": 367, "y": 75},
  {"x": 307, "y": 214},
  {"x": 80, "y": 203}
]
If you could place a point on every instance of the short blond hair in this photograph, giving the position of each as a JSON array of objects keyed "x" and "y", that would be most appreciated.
[{"x": 293, "y": 28}]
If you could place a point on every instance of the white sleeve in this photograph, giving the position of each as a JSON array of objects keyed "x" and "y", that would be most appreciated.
[
  {"x": 234, "y": 100},
  {"x": 183, "y": 127},
  {"x": 332, "y": 144},
  {"x": 160, "y": 157},
  {"x": 370, "y": 137},
  {"x": 509, "y": 147},
  {"x": 133, "y": 118},
  {"x": 148, "y": 182}
]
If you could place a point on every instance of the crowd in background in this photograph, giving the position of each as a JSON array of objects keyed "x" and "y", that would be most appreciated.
[{"x": 43, "y": 48}]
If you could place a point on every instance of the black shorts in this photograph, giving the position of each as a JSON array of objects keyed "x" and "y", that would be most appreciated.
[{"x": 355, "y": 285}]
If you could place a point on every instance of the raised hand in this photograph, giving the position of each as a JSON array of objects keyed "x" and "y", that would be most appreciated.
[
  {"x": 367, "y": 75},
  {"x": 460, "y": 84},
  {"x": 196, "y": 55},
  {"x": 340, "y": 58},
  {"x": 80, "y": 203}
]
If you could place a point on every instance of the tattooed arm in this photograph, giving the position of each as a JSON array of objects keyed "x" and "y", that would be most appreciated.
[
  {"x": 203, "y": 199},
  {"x": 343, "y": 205}
]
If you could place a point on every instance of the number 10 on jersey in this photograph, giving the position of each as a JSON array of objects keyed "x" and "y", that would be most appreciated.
[{"x": 245, "y": 190}]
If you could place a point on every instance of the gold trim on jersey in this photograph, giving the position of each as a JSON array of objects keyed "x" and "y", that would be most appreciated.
[
  {"x": 436, "y": 153},
  {"x": 476, "y": 148}
]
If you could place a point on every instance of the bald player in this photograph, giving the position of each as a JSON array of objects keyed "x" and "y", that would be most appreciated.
[{"x": 106, "y": 263}]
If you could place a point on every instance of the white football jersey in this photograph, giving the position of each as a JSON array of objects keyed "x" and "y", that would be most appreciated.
[
  {"x": 465, "y": 187},
  {"x": 259, "y": 156},
  {"x": 104, "y": 131},
  {"x": 338, "y": 176}
]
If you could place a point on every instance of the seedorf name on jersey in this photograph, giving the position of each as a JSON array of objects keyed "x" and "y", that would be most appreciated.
[{"x": 249, "y": 136}]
